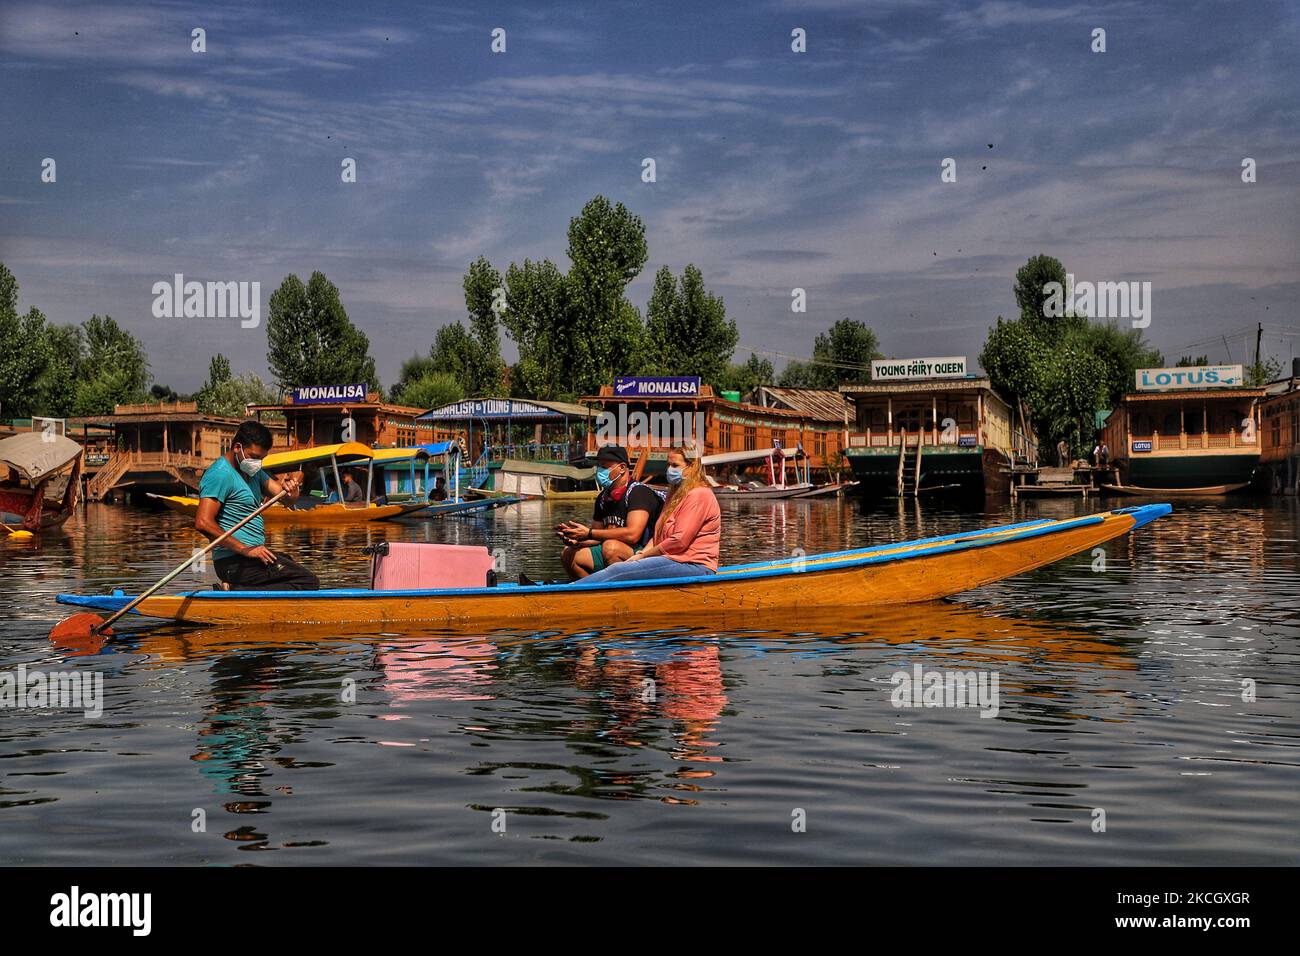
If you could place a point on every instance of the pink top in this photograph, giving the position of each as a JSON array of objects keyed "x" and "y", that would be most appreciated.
[{"x": 692, "y": 533}]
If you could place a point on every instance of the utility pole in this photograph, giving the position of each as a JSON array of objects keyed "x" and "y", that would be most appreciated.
[{"x": 1259, "y": 334}]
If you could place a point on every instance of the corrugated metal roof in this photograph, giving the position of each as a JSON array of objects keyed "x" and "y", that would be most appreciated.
[{"x": 816, "y": 403}]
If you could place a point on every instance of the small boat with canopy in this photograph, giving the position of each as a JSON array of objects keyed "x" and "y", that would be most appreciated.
[
  {"x": 39, "y": 480},
  {"x": 321, "y": 502}
]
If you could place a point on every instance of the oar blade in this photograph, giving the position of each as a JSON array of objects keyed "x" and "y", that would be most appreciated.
[{"x": 79, "y": 625}]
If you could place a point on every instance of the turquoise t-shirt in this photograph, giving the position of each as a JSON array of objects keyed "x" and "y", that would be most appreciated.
[{"x": 239, "y": 497}]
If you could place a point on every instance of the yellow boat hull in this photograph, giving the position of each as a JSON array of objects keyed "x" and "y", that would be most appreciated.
[
  {"x": 903, "y": 573},
  {"x": 331, "y": 514}
]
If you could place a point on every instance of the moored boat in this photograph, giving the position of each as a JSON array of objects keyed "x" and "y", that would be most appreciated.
[
  {"x": 544, "y": 479},
  {"x": 773, "y": 461},
  {"x": 1208, "y": 491},
  {"x": 900, "y": 573},
  {"x": 39, "y": 479},
  {"x": 320, "y": 505}
]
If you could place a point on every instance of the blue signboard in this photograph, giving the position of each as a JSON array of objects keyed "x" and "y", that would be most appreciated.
[
  {"x": 328, "y": 394},
  {"x": 1141, "y": 446},
  {"x": 968, "y": 441},
  {"x": 640, "y": 386},
  {"x": 490, "y": 408}
]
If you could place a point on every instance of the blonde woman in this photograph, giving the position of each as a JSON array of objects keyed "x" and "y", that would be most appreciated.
[{"x": 687, "y": 534}]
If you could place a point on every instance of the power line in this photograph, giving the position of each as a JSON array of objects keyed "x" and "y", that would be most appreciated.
[{"x": 801, "y": 358}]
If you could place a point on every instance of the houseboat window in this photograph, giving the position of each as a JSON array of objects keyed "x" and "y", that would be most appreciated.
[
  {"x": 778, "y": 437},
  {"x": 724, "y": 436},
  {"x": 751, "y": 437}
]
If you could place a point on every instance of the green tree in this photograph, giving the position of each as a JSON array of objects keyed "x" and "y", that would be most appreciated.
[
  {"x": 113, "y": 369},
  {"x": 1063, "y": 368},
  {"x": 218, "y": 369},
  {"x": 311, "y": 340},
  {"x": 56, "y": 388},
  {"x": 1263, "y": 371},
  {"x": 431, "y": 390},
  {"x": 540, "y": 320},
  {"x": 1014, "y": 357},
  {"x": 413, "y": 369},
  {"x": 576, "y": 330},
  {"x": 687, "y": 329},
  {"x": 748, "y": 376},
  {"x": 1121, "y": 353},
  {"x": 231, "y": 396},
  {"x": 24, "y": 351},
  {"x": 1032, "y": 295},
  {"x": 487, "y": 369},
  {"x": 843, "y": 355},
  {"x": 607, "y": 249},
  {"x": 797, "y": 374}
]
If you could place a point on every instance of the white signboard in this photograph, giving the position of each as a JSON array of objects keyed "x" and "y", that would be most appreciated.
[
  {"x": 888, "y": 370},
  {"x": 1190, "y": 376}
]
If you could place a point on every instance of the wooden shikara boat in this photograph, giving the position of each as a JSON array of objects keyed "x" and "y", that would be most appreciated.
[
  {"x": 901, "y": 573},
  {"x": 39, "y": 480},
  {"x": 323, "y": 462},
  {"x": 1206, "y": 491},
  {"x": 321, "y": 514}
]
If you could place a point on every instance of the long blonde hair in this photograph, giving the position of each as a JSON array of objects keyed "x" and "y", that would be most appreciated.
[{"x": 692, "y": 478}]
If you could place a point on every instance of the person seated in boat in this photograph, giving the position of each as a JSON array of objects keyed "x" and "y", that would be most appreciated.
[
  {"x": 623, "y": 518},
  {"x": 230, "y": 490},
  {"x": 687, "y": 534},
  {"x": 353, "y": 493},
  {"x": 439, "y": 492}
]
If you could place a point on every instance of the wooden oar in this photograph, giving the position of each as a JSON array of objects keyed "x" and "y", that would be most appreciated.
[{"x": 92, "y": 625}]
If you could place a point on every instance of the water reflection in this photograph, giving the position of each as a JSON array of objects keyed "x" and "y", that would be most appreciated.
[{"x": 1119, "y": 687}]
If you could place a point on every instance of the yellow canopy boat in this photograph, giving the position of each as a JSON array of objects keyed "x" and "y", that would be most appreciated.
[
  {"x": 902, "y": 573},
  {"x": 316, "y": 507}
]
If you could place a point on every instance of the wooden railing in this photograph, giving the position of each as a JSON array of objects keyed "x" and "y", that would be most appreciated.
[
  {"x": 120, "y": 462},
  {"x": 892, "y": 440},
  {"x": 1205, "y": 440}
]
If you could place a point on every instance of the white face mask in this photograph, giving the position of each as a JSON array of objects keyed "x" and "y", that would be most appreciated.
[{"x": 249, "y": 466}]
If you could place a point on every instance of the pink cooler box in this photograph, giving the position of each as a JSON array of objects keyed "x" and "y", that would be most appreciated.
[{"x": 396, "y": 566}]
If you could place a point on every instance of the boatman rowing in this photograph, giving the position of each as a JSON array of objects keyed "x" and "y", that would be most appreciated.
[{"x": 231, "y": 489}]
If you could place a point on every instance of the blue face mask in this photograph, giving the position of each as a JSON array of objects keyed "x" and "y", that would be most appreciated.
[
  {"x": 674, "y": 475},
  {"x": 602, "y": 478}
]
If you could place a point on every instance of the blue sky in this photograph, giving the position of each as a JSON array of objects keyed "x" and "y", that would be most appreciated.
[{"x": 775, "y": 170}]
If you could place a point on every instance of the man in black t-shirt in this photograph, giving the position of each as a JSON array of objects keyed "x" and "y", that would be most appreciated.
[{"x": 623, "y": 520}]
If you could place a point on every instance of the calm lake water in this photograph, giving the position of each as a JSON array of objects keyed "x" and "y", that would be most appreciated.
[{"x": 1120, "y": 691}]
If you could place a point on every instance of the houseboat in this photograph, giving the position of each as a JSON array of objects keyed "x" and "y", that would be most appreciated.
[
  {"x": 652, "y": 414},
  {"x": 1280, "y": 428},
  {"x": 925, "y": 426},
  {"x": 160, "y": 448},
  {"x": 336, "y": 414},
  {"x": 1190, "y": 431}
]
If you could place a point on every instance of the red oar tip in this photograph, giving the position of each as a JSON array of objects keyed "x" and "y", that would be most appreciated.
[{"x": 79, "y": 625}]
